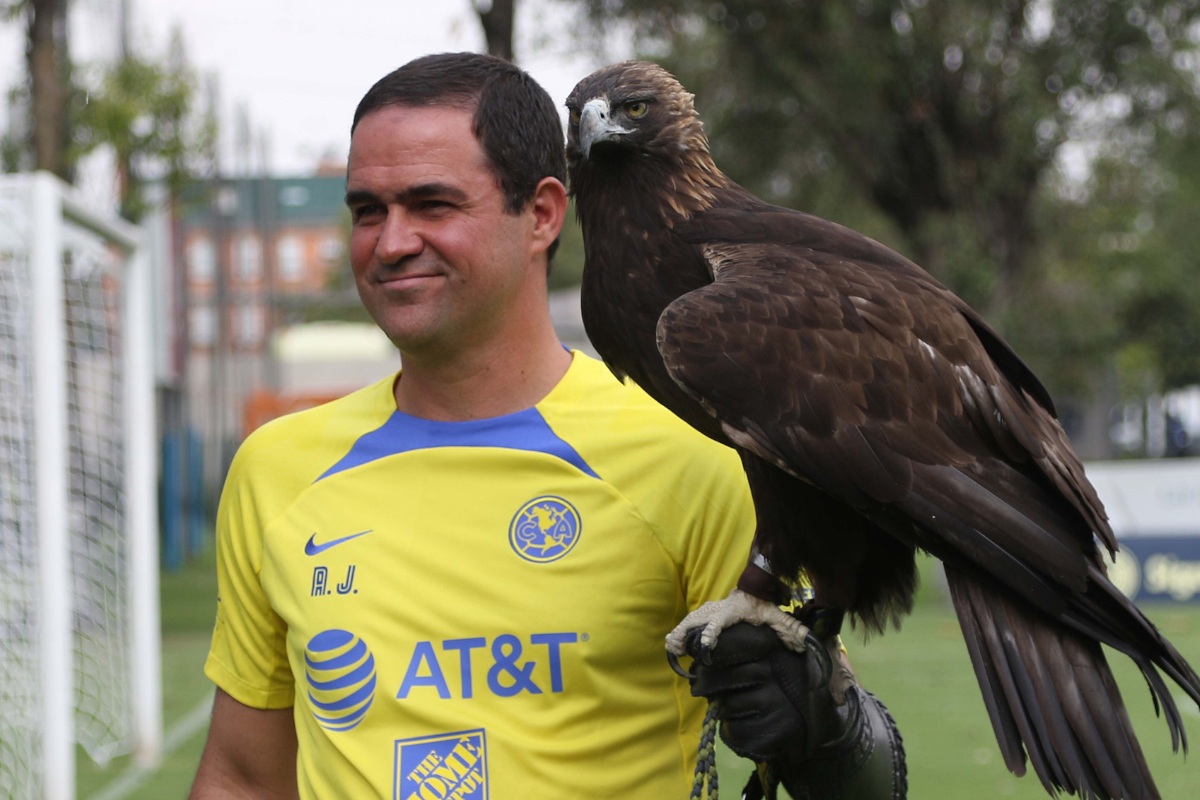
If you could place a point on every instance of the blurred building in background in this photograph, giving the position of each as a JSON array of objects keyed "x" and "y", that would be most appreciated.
[
  {"x": 253, "y": 255},
  {"x": 250, "y": 247}
]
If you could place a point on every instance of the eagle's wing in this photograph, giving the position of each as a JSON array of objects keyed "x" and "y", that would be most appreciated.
[
  {"x": 870, "y": 380},
  {"x": 863, "y": 379}
]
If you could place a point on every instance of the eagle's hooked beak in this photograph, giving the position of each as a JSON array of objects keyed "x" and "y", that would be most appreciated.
[{"x": 595, "y": 125}]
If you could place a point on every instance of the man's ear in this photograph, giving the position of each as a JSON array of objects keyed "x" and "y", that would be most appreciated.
[{"x": 549, "y": 207}]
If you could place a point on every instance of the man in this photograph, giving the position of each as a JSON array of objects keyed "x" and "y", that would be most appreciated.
[{"x": 455, "y": 583}]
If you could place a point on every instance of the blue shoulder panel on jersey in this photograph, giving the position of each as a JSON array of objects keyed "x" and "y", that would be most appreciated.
[{"x": 524, "y": 430}]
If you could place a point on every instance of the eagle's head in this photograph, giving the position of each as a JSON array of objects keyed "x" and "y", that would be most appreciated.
[
  {"x": 634, "y": 136},
  {"x": 635, "y": 108}
]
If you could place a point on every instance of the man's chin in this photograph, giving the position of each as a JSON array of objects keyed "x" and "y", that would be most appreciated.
[
  {"x": 412, "y": 324},
  {"x": 410, "y": 334}
]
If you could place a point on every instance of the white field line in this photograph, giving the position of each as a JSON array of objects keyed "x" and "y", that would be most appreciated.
[{"x": 135, "y": 775}]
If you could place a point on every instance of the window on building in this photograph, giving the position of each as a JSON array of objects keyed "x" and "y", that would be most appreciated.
[
  {"x": 248, "y": 251},
  {"x": 201, "y": 259},
  {"x": 290, "y": 253},
  {"x": 250, "y": 323},
  {"x": 202, "y": 326},
  {"x": 331, "y": 248}
]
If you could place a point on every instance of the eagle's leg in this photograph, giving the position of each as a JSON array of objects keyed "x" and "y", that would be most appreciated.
[{"x": 752, "y": 601}]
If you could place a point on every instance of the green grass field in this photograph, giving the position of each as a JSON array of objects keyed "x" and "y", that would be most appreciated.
[{"x": 922, "y": 673}]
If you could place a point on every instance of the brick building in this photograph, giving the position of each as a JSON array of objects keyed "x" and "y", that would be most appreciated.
[
  {"x": 274, "y": 240},
  {"x": 248, "y": 253}
]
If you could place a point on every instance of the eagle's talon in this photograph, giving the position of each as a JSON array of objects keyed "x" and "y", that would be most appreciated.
[{"x": 677, "y": 668}]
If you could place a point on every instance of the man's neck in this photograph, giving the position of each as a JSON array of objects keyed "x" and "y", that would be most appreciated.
[{"x": 502, "y": 376}]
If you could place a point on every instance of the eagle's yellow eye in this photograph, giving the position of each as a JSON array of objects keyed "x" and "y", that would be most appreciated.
[
  {"x": 574, "y": 116},
  {"x": 637, "y": 109}
]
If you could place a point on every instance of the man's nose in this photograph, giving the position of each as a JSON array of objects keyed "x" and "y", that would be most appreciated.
[{"x": 398, "y": 239}]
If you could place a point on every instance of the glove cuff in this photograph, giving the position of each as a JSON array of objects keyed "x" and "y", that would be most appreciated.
[{"x": 866, "y": 762}]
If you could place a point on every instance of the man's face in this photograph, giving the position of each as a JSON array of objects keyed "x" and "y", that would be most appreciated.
[{"x": 436, "y": 257}]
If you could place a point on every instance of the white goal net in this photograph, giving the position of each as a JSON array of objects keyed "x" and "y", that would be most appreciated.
[
  {"x": 93, "y": 271},
  {"x": 18, "y": 535},
  {"x": 83, "y": 604}
]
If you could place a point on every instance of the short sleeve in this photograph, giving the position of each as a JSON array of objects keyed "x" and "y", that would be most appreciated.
[
  {"x": 717, "y": 544},
  {"x": 248, "y": 658}
]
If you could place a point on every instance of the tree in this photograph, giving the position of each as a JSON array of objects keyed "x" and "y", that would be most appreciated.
[
  {"x": 1143, "y": 241},
  {"x": 44, "y": 134},
  {"x": 48, "y": 80},
  {"x": 497, "y": 19},
  {"x": 143, "y": 110}
]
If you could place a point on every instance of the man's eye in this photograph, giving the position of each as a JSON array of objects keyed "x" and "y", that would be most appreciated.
[
  {"x": 434, "y": 205},
  {"x": 367, "y": 211}
]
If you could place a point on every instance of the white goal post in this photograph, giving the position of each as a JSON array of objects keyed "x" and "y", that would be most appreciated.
[{"x": 79, "y": 609}]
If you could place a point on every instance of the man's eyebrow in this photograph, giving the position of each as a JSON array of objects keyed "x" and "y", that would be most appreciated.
[
  {"x": 418, "y": 192},
  {"x": 433, "y": 189},
  {"x": 360, "y": 196}
]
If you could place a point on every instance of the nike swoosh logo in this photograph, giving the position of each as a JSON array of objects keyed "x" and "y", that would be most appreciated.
[{"x": 312, "y": 548}]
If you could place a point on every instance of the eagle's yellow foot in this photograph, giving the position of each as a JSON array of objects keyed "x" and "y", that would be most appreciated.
[{"x": 738, "y": 607}]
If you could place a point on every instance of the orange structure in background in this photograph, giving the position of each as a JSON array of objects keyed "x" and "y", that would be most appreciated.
[{"x": 262, "y": 406}]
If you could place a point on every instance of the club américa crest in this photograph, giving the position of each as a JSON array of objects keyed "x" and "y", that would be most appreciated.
[{"x": 544, "y": 529}]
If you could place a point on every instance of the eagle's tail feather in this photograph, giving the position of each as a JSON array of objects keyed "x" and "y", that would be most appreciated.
[
  {"x": 1049, "y": 692},
  {"x": 1156, "y": 650}
]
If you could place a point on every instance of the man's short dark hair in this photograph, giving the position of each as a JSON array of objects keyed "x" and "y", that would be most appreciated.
[{"x": 515, "y": 121}]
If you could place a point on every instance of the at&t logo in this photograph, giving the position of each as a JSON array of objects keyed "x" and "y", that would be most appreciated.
[{"x": 341, "y": 679}]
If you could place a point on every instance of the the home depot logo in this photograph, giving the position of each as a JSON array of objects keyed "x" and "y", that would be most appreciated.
[{"x": 446, "y": 766}]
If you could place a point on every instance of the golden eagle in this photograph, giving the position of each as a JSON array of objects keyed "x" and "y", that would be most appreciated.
[{"x": 875, "y": 414}]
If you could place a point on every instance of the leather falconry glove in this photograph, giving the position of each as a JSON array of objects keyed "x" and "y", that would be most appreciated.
[{"x": 776, "y": 708}]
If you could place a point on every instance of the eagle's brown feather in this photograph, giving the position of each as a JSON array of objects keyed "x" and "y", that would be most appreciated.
[{"x": 876, "y": 414}]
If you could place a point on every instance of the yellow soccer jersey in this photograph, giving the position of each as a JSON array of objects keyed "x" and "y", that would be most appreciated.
[{"x": 476, "y": 610}]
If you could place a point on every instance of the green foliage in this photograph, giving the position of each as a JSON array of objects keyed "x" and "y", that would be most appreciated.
[
  {"x": 12, "y": 146},
  {"x": 1127, "y": 258},
  {"x": 1161, "y": 311},
  {"x": 143, "y": 110},
  {"x": 941, "y": 127}
]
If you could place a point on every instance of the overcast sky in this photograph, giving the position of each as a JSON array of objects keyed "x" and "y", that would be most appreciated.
[{"x": 300, "y": 66}]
